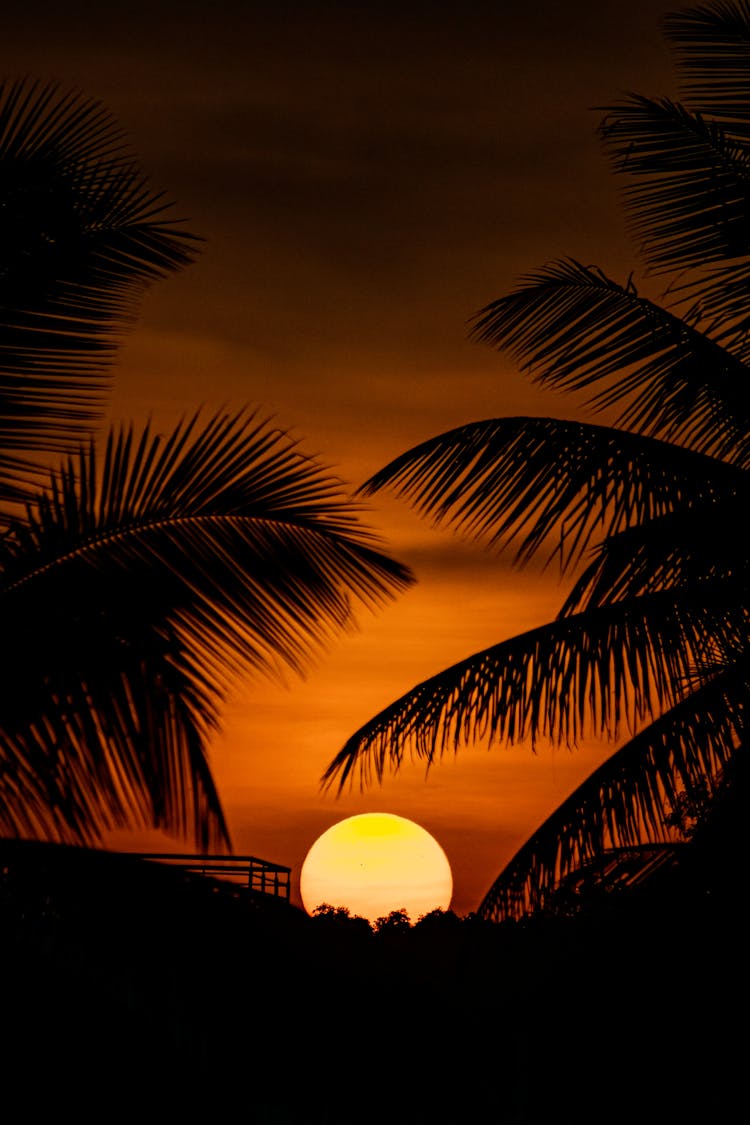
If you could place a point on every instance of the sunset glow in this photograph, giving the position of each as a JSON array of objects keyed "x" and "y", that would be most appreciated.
[{"x": 365, "y": 181}]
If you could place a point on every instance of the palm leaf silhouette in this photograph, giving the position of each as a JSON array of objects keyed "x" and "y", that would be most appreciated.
[
  {"x": 651, "y": 642},
  {"x": 572, "y": 328},
  {"x": 712, "y": 47},
  {"x": 607, "y": 671},
  {"x": 542, "y": 483},
  {"x": 153, "y": 577},
  {"x": 138, "y": 581},
  {"x": 629, "y": 801},
  {"x": 689, "y": 201},
  {"x": 82, "y": 237}
]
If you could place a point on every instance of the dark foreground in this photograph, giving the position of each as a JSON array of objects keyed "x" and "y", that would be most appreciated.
[{"x": 135, "y": 993}]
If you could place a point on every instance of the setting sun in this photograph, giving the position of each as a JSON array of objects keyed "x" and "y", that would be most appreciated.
[{"x": 374, "y": 863}]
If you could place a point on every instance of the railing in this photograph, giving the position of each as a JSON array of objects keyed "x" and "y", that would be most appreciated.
[{"x": 256, "y": 875}]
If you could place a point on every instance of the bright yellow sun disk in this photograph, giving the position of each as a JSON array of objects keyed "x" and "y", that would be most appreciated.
[{"x": 374, "y": 863}]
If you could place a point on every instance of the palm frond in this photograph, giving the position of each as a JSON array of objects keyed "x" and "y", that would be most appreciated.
[
  {"x": 249, "y": 537},
  {"x": 711, "y": 44},
  {"x": 630, "y": 799},
  {"x": 140, "y": 586},
  {"x": 689, "y": 209},
  {"x": 720, "y": 297},
  {"x": 680, "y": 550},
  {"x": 652, "y": 640},
  {"x": 544, "y": 483},
  {"x": 107, "y": 728},
  {"x": 689, "y": 200},
  {"x": 572, "y": 327},
  {"x": 600, "y": 672},
  {"x": 81, "y": 237}
]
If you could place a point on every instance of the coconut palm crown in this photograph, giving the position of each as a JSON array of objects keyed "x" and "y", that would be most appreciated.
[
  {"x": 140, "y": 575},
  {"x": 650, "y": 648}
]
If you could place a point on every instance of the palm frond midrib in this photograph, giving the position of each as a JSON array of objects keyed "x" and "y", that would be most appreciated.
[{"x": 103, "y": 538}]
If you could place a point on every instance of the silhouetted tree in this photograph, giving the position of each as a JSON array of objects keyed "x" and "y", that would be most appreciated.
[
  {"x": 140, "y": 577},
  {"x": 340, "y": 917},
  {"x": 325, "y": 912},
  {"x": 651, "y": 643},
  {"x": 394, "y": 922},
  {"x": 437, "y": 920}
]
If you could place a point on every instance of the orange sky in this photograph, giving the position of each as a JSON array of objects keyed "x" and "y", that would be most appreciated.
[{"x": 366, "y": 177}]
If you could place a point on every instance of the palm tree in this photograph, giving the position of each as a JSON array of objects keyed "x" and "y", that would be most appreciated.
[
  {"x": 141, "y": 577},
  {"x": 81, "y": 238},
  {"x": 650, "y": 648}
]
